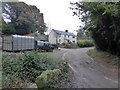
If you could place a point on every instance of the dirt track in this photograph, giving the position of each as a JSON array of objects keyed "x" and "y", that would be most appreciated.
[{"x": 87, "y": 72}]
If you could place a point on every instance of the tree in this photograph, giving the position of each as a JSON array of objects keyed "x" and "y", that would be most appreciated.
[
  {"x": 40, "y": 26},
  {"x": 18, "y": 14},
  {"x": 80, "y": 34},
  {"x": 103, "y": 21},
  {"x": 24, "y": 18}
]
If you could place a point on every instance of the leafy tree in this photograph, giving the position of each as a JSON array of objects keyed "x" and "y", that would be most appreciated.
[
  {"x": 18, "y": 14},
  {"x": 39, "y": 19},
  {"x": 8, "y": 28},
  {"x": 102, "y": 19},
  {"x": 80, "y": 34},
  {"x": 23, "y": 18}
]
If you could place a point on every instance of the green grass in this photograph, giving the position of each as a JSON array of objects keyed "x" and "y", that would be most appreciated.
[{"x": 104, "y": 56}]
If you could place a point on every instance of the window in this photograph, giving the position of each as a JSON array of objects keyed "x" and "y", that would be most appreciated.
[
  {"x": 73, "y": 41},
  {"x": 73, "y": 36},
  {"x": 59, "y": 40}
]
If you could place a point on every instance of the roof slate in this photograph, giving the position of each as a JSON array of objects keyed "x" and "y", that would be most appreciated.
[
  {"x": 63, "y": 33},
  {"x": 41, "y": 38}
]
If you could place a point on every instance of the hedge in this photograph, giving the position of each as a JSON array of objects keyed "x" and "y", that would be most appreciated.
[{"x": 85, "y": 43}]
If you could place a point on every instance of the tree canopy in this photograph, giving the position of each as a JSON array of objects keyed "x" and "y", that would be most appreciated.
[
  {"x": 102, "y": 19},
  {"x": 23, "y": 18}
]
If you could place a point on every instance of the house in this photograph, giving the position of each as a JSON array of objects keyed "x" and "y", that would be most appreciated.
[
  {"x": 59, "y": 37},
  {"x": 41, "y": 38}
]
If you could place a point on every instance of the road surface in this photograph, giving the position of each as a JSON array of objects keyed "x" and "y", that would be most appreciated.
[{"x": 87, "y": 72}]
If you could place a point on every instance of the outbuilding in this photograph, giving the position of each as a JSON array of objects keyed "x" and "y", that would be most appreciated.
[{"x": 17, "y": 43}]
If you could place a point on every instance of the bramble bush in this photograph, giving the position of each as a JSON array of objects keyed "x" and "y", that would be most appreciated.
[{"x": 26, "y": 67}]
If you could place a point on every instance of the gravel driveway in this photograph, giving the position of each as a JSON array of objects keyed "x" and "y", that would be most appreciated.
[{"x": 87, "y": 72}]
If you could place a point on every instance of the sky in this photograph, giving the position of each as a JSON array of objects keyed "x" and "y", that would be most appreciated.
[{"x": 57, "y": 14}]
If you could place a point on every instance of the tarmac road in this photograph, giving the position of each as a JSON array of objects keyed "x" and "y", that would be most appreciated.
[{"x": 87, "y": 72}]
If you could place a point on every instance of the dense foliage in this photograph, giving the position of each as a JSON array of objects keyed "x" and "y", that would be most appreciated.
[
  {"x": 19, "y": 69},
  {"x": 20, "y": 18},
  {"x": 102, "y": 19},
  {"x": 68, "y": 45},
  {"x": 85, "y": 43}
]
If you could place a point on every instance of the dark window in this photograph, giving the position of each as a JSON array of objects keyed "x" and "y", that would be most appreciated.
[
  {"x": 73, "y": 36},
  {"x": 59, "y": 40},
  {"x": 73, "y": 41}
]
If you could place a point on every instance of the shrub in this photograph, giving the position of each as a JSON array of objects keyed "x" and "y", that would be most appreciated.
[
  {"x": 53, "y": 78},
  {"x": 66, "y": 45},
  {"x": 26, "y": 67},
  {"x": 10, "y": 68},
  {"x": 30, "y": 66},
  {"x": 33, "y": 64},
  {"x": 9, "y": 81},
  {"x": 48, "y": 78},
  {"x": 85, "y": 43}
]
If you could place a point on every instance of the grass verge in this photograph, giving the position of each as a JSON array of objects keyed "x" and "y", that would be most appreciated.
[{"x": 104, "y": 57}]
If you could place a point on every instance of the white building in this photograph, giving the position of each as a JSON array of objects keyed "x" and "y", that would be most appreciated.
[{"x": 59, "y": 37}]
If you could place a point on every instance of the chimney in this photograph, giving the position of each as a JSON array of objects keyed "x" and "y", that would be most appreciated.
[{"x": 66, "y": 30}]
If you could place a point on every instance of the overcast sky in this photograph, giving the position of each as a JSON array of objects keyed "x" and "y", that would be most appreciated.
[{"x": 57, "y": 14}]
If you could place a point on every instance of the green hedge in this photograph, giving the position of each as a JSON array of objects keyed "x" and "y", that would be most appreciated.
[
  {"x": 85, "y": 43},
  {"x": 70, "y": 46}
]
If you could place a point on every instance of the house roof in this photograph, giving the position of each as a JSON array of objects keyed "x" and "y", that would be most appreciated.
[
  {"x": 41, "y": 38},
  {"x": 63, "y": 33}
]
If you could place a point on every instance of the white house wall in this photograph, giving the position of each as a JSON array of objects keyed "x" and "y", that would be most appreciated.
[
  {"x": 52, "y": 38},
  {"x": 62, "y": 39},
  {"x": 75, "y": 39},
  {"x": 72, "y": 39}
]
